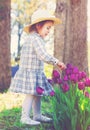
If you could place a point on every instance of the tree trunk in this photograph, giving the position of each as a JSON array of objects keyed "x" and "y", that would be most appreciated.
[
  {"x": 5, "y": 70},
  {"x": 71, "y": 35}
]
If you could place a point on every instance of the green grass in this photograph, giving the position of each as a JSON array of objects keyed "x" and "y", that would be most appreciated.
[
  {"x": 10, "y": 114},
  {"x": 11, "y": 119}
]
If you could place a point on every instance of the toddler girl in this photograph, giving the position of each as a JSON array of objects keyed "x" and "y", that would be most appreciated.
[{"x": 30, "y": 78}]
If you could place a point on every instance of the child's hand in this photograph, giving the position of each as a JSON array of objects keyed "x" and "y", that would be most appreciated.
[{"x": 61, "y": 65}]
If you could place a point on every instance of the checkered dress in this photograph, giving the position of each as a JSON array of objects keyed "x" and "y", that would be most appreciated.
[{"x": 31, "y": 69}]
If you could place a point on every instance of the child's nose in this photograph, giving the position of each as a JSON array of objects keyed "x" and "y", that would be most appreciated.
[{"x": 48, "y": 31}]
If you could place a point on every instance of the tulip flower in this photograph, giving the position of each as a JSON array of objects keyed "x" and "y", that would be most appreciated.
[
  {"x": 65, "y": 87},
  {"x": 55, "y": 74},
  {"x": 81, "y": 85},
  {"x": 87, "y": 82},
  {"x": 52, "y": 93},
  {"x": 39, "y": 90}
]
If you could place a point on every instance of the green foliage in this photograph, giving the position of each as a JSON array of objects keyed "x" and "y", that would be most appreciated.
[
  {"x": 10, "y": 117},
  {"x": 71, "y": 110}
]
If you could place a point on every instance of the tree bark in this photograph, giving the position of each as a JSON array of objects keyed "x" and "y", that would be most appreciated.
[
  {"x": 5, "y": 69},
  {"x": 71, "y": 35}
]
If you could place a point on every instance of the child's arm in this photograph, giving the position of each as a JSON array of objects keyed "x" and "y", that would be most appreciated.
[{"x": 42, "y": 54}]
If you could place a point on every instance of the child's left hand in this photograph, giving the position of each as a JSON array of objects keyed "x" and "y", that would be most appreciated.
[{"x": 61, "y": 65}]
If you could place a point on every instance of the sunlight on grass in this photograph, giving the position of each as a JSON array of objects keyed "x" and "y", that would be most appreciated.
[{"x": 10, "y": 100}]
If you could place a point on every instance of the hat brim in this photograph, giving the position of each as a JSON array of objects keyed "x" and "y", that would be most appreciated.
[{"x": 55, "y": 20}]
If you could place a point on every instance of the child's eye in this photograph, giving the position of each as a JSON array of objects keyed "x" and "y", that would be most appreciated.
[{"x": 48, "y": 28}]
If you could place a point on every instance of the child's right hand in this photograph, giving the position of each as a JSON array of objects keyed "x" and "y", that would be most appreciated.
[{"x": 61, "y": 65}]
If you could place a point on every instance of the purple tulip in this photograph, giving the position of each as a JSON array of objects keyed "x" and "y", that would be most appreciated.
[
  {"x": 87, "y": 82},
  {"x": 74, "y": 78},
  {"x": 81, "y": 85},
  {"x": 68, "y": 71},
  {"x": 65, "y": 87},
  {"x": 55, "y": 74},
  {"x": 52, "y": 93},
  {"x": 69, "y": 66},
  {"x": 65, "y": 78},
  {"x": 55, "y": 80},
  {"x": 80, "y": 77},
  {"x": 83, "y": 74},
  {"x": 50, "y": 81},
  {"x": 87, "y": 94},
  {"x": 59, "y": 81},
  {"x": 75, "y": 70},
  {"x": 39, "y": 90}
]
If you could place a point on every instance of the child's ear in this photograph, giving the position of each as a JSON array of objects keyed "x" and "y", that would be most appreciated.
[{"x": 38, "y": 26}]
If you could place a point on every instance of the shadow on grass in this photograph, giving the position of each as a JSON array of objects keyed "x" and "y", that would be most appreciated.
[{"x": 10, "y": 120}]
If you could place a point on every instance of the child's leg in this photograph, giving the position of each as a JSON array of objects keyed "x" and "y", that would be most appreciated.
[
  {"x": 37, "y": 110},
  {"x": 36, "y": 106},
  {"x": 26, "y": 109},
  {"x": 27, "y": 105}
]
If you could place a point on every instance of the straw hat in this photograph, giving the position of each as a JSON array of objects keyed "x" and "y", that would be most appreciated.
[{"x": 41, "y": 15}]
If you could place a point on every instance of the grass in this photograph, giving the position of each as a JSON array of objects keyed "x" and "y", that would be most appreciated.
[{"x": 10, "y": 113}]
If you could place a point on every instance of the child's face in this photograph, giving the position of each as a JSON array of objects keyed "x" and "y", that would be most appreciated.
[{"x": 45, "y": 29}]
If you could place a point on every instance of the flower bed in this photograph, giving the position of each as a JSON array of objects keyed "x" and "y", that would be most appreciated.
[{"x": 71, "y": 103}]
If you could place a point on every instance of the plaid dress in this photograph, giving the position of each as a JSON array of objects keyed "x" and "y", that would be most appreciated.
[{"x": 31, "y": 69}]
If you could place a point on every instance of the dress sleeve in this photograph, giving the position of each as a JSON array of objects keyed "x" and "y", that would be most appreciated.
[{"x": 39, "y": 47}]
